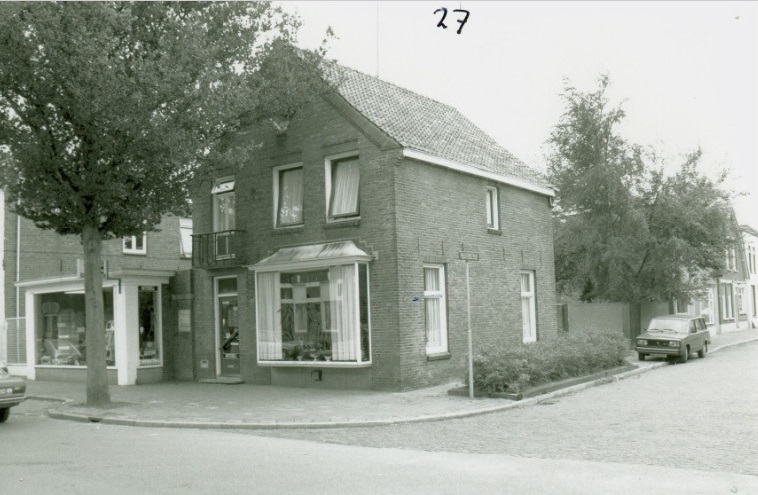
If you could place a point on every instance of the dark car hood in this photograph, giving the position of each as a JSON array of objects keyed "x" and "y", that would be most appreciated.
[{"x": 662, "y": 336}]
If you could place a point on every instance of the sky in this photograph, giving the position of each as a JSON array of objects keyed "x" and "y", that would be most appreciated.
[{"x": 685, "y": 72}]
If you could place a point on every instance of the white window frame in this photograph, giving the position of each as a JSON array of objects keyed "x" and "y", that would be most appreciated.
[
  {"x": 680, "y": 309},
  {"x": 329, "y": 160},
  {"x": 727, "y": 303},
  {"x": 741, "y": 300},
  {"x": 529, "y": 334},
  {"x": 185, "y": 239},
  {"x": 706, "y": 307},
  {"x": 440, "y": 294},
  {"x": 277, "y": 174},
  {"x": 133, "y": 249},
  {"x": 221, "y": 187},
  {"x": 492, "y": 201}
]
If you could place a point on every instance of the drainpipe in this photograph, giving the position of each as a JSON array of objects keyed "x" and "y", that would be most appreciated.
[
  {"x": 718, "y": 307},
  {"x": 18, "y": 263}
]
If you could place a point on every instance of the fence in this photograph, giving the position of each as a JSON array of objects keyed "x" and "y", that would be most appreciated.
[{"x": 13, "y": 341}]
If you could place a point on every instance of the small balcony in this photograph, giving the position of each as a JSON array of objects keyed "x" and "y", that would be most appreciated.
[{"x": 218, "y": 249}]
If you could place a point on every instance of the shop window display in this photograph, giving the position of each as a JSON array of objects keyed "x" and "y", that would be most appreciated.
[
  {"x": 61, "y": 332},
  {"x": 319, "y": 315}
]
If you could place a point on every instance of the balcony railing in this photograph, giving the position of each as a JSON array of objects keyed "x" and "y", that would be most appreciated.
[{"x": 218, "y": 249}]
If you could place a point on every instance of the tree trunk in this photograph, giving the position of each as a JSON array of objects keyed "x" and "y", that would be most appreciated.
[{"x": 97, "y": 378}]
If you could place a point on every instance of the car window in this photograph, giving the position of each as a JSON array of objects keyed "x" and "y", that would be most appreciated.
[
  {"x": 701, "y": 324},
  {"x": 665, "y": 325}
]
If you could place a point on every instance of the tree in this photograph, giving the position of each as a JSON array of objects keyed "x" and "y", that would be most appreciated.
[
  {"x": 108, "y": 110},
  {"x": 625, "y": 231}
]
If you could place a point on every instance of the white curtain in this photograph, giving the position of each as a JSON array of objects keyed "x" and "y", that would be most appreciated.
[
  {"x": 343, "y": 302},
  {"x": 291, "y": 197},
  {"x": 432, "y": 302},
  {"x": 223, "y": 212},
  {"x": 269, "y": 319},
  {"x": 345, "y": 181}
]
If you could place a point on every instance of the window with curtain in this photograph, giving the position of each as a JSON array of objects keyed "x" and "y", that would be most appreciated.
[
  {"x": 223, "y": 206},
  {"x": 435, "y": 307},
  {"x": 344, "y": 185},
  {"x": 727, "y": 308},
  {"x": 289, "y": 196},
  {"x": 493, "y": 221},
  {"x": 528, "y": 307},
  {"x": 316, "y": 315}
]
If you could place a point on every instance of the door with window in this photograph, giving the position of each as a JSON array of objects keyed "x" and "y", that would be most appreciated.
[{"x": 227, "y": 327}]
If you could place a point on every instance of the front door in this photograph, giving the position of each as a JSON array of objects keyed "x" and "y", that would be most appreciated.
[{"x": 227, "y": 323}]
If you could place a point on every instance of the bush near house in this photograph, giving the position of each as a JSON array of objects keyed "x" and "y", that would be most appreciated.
[{"x": 514, "y": 368}]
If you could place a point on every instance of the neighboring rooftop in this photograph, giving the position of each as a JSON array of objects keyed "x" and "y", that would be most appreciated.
[{"x": 426, "y": 125}]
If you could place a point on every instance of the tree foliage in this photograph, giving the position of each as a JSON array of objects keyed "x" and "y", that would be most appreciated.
[
  {"x": 108, "y": 110},
  {"x": 626, "y": 231}
]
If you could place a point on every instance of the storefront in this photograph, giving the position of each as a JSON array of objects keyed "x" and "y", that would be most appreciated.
[{"x": 55, "y": 337}]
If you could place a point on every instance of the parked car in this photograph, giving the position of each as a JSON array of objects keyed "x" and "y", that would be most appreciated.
[
  {"x": 12, "y": 392},
  {"x": 674, "y": 335}
]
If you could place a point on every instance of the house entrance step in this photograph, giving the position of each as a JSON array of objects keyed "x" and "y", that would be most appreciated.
[{"x": 224, "y": 380}]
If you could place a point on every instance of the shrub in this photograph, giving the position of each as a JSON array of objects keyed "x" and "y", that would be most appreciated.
[{"x": 513, "y": 368}]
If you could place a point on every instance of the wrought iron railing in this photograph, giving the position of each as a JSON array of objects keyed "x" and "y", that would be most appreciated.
[{"x": 218, "y": 249}]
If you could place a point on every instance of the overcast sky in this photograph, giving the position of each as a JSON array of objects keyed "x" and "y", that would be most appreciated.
[{"x": 685, "y": 72}]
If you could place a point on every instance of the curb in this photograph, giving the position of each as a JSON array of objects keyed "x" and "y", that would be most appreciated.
[{"x": 213, "y": 425}]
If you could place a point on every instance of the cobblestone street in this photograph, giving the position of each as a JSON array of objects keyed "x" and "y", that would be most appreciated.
[{"x": 700, "y": 415}]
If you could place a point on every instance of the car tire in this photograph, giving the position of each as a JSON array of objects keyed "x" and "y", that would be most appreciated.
[
  {"x": 4, "y": 413},
  {"x": 684, "y": 356},
  {"x": 640, "y": 356},
  {"x": 702, "y": 352}
]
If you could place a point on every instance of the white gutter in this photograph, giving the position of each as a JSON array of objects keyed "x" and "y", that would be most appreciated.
[{"x": 468, "y": 169}]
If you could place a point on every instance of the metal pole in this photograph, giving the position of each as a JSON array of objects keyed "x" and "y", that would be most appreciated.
[{"x": 470, "y": 344}]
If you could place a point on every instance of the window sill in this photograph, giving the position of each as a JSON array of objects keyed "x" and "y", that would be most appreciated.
[
  {"x": 134, "y": 253},
  {"x": 293, "y": 229},
  {"x": 314, "y": 364},
  {"x": 438, "y": 356},
  {"x": 338, "y": 224},
  {"x": 494, "y": 231}
]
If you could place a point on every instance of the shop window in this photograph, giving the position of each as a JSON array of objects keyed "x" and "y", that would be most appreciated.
[
  {"x": 435, "y": 306},
  {"x": 61, "y": 329},
  {"x": 136, "y": 244},
  {"x": 149, "y": 327},
  {"x": 288, "y": 196},
  {"x": 528, "y": 307},
  {"x": 706, "y": 307},
  {"x": 315, "y": 315},
  {"x": 342, "y": 188}
]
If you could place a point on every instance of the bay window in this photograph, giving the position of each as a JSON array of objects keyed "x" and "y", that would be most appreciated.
[{"x": 314, "y": 314}]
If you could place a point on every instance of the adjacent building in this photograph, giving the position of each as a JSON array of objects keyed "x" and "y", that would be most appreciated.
[
  {"x": 42, "y": 301},
  {"x": 347, "y": 250},
  {"x": 749, "y": 303}
]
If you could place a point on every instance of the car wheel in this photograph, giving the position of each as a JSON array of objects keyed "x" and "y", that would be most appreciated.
[
  {"x": 702, "y": 352},
  {"x": 640, "y": 356},
  {"x": 4, "y": 413},
  {"x": 685, "y": 355}
]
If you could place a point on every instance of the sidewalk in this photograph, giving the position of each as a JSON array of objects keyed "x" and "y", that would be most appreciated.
[{"x": 197, "y": 405}]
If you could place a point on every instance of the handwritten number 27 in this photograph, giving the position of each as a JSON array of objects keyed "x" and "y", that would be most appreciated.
[{"x": 459, "y": 21}]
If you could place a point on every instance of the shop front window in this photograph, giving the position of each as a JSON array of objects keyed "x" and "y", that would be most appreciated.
[
  {"x": 316, "y": 315},
  {"x": 149, "y": 339},
  {"x": 61, "y": 332}
]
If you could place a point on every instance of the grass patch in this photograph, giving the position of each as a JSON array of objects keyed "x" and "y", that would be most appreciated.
[{"x": 515, "y": 368}]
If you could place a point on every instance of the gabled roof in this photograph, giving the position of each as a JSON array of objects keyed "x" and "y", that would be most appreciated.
[{"x": 428, "y": 126}]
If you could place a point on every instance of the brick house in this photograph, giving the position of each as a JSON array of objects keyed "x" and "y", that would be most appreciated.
[
  {"x": 335, "y": 255},
  {"x": 42, "y": 301},
  {"x": 750, "y": 293}
]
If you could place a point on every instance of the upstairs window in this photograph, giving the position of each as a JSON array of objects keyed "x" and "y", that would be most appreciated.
[
  {"x": 185, "y": 237},
  {"x": 136, "y": 244},
  {"x": 288, "y": 196},
  {"x": 493, "y": 220},
  {"x": 342, "y": 188},
  {"x": 223, "y": 205}
]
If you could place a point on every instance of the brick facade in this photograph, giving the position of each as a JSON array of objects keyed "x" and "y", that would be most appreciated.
[{"x": 411, "y": 213}]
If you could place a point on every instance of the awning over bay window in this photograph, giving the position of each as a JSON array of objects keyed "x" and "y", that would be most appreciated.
[{"x": 312, "y": 256}]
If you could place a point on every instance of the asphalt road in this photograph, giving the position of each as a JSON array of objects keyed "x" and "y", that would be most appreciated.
[{"x": 682, "y": 429}]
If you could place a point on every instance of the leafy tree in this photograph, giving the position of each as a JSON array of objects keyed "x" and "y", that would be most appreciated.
[
  {"x": 625, "y": 231},
  {"x": 109, "y": 109}
]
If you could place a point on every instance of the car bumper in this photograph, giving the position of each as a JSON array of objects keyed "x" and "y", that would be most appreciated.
[
  {"x": 11, "y": 401},
  {"x": 668, "y": 351}
]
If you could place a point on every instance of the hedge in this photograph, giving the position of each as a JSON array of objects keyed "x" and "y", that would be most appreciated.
[{"x": 514, "y": 368}]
